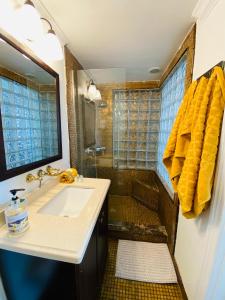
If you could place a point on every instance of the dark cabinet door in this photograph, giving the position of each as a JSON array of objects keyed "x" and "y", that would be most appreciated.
[
  {"x": 28, "y": 277},
  {"x": 91, "y": 270},
  {"x": 86, "y": 279},
  {"x": 102, "y": 242}
]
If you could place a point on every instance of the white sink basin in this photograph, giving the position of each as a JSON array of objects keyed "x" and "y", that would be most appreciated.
[{"x": 68, "y": 203}]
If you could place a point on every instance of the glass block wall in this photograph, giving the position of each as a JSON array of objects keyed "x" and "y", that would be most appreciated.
[
  {"x": 136, "y": 116},
  {"x": 25, "y": 113},
  {"x": 171, "y": 96},
  {"x": 49, "y": 135}
]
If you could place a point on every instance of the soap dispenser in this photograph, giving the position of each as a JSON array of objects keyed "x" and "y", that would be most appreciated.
[{"x": 16, "y": 215}]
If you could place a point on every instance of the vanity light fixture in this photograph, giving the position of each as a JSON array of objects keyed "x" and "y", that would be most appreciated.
[
  {"x": 92, "y": 91},
  {"x": 29, "y": 21},
  {"x": 98, "y": 95},
  {"x": 51, "y": 44},
  {"x": 46, "y": 45}
]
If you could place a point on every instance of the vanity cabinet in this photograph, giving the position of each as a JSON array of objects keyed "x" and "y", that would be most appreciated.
[
  {"x": 34, "y": 278},
  {"x": 89, "y": 273},
  {"x": 102, "y": 242},
  {"x": 86, "y": 272}
]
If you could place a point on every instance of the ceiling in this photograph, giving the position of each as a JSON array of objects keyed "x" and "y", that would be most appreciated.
[
  {"x": 11, "y": 59},
  {"x": 128, "y": 36}
]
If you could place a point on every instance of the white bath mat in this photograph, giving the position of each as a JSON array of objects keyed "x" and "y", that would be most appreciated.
[{"x": 148, "y": 262}]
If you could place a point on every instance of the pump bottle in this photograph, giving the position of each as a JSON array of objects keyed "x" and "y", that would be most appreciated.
[{"x": 16, "y": 215}]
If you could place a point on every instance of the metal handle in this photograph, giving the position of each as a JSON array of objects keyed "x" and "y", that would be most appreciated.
[
  {"x": 90, "y": 150},
  {"x": 100, "y": 148},
  {"x": 41, "y": 173},
  {"x": 50, "y": 171}
]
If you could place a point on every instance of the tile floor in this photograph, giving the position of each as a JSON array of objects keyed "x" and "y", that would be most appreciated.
[
  {"x": 127, "y": 209},
  {"x": 120, "y": 289}
]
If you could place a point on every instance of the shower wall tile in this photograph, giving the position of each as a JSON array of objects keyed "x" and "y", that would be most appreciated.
[
  {"x": 104, "y": 127},
  {"x": 121, "y": 180},
  {"x": 136, "y": 115}
]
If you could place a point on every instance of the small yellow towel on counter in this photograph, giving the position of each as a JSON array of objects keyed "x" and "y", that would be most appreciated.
[
  {"x": 73, "y": 171},
  {"x": 178, "y": 142},
  {"x": 196, "y": 180},
  {"x": 66, "y": 177}
]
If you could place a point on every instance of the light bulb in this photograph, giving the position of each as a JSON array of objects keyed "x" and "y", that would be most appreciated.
[
  {"x": 29, "y": 21},
  {"x": 48, "y": 47},
  {"x": 53, "y": 46},
  {"x": 98, "y": 95},
  {"x": 92, "y": 91}
]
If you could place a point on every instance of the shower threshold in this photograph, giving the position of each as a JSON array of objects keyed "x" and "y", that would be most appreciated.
[
  {"x": 136, "y": 232},
  {"x": 130, "y": 219}
]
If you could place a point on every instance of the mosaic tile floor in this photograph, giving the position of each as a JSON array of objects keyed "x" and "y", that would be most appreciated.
[
  {"x": 120, "y": 289},
  {"x": 127, "y": 209}
]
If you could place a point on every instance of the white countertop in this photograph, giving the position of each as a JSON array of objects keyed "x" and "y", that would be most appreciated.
[{"x": 55, "y": 237}]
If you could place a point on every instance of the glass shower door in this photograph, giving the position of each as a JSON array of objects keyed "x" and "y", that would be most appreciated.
[
  {"x": 85, "y": 128},
  {"x": 89, "y": 163},
  {"x": 89, "y": 137}
]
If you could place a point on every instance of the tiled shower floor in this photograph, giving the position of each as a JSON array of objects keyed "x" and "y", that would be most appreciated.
[
  {"x": 114, "y": 288},
  {"x": 127, "y": 209}
]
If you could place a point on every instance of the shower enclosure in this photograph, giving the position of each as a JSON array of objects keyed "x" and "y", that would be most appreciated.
[{"x": 132, "y": 123}]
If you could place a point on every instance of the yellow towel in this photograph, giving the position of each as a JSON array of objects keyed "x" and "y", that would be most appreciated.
[
  {"x": 189, "y": 176},
  {"x": 73, "y": 171},
  {"x": 177, "y": 144},
  {"x": 195, "y": 183},
  {"x": 66, "y": 177}
]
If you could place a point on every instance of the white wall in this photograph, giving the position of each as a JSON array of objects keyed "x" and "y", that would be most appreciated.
[{"x": 198, "y": 247}]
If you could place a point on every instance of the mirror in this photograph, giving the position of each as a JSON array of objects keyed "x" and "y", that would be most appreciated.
[{"x": 30, "y": 131}]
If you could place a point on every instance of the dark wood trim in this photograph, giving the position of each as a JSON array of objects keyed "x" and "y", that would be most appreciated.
[
  {"x": 59, "y": 127},
  {"x": 6, "y": 174},
  {"x": 2, "y": 149}
]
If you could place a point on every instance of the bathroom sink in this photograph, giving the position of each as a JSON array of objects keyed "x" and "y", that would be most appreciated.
[{"x": 68, "y": 203}]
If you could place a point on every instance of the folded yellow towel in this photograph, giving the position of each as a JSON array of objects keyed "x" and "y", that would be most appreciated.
[
  {"x": 177, "y": 144},
  {"x": 189, "y": 176},
  {"x": 190, "y": 154},
  {"x": 66, "y": 177},
  {"x": 73, "y": 171},
  {"x": 195, "y": 184}
]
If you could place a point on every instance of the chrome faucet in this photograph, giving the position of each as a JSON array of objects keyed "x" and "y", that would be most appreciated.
[{"x": 41, "y": 173}]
